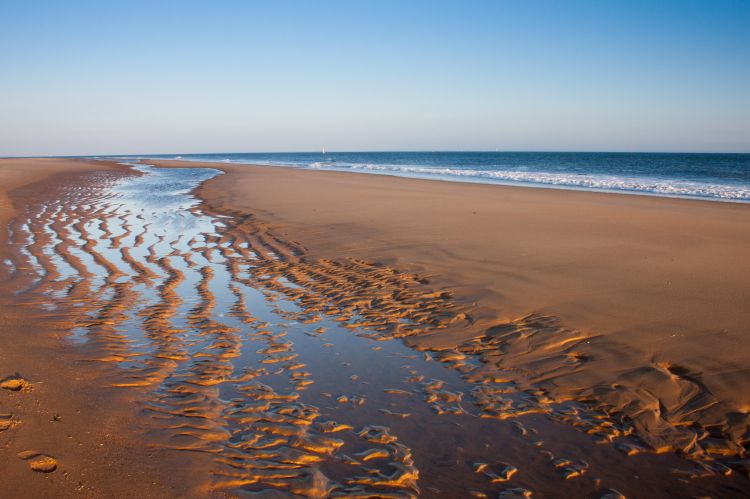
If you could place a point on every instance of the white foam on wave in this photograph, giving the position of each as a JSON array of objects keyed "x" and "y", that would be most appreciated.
[
  {"x": 322, "y": 164},
  {"x": 666, "y": 187},
  {"x": 659, "y": 186}
]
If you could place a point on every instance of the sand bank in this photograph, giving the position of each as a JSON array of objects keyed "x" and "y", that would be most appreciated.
[{"x": 654, "y": 290}]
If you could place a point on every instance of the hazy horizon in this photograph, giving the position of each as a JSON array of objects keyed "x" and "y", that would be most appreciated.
[
  {"x": 510, "y": 151},
  {"x": 85, "y": 78}
]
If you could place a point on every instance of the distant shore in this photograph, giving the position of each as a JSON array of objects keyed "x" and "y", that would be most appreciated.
[{"x": 716, "y": 177}]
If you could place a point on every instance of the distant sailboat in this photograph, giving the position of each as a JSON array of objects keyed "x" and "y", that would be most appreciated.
[{"x": 326, "y": 160}]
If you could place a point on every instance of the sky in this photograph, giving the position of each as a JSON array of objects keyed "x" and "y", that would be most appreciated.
[{"x": 137, "y": 77}]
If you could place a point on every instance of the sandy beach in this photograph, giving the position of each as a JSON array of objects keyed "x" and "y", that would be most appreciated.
[{"x": 597, "y": 336}]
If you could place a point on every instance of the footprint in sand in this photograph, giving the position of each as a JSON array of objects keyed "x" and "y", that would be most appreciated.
[
  {"x": 39, "y": 462},
  {"x": 15, "y": 383},
  {"x": 6, "y": 421}
]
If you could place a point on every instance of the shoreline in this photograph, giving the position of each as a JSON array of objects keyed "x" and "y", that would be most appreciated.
[{"x": 450, "y": 178}]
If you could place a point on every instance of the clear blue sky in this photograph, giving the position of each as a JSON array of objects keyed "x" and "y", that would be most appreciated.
[{"x": 199, "y": 76}]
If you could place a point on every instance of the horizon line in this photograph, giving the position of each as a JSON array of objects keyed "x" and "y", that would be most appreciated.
[{"x": 370, "y": 151}]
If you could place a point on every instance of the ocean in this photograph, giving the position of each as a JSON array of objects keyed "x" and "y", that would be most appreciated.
[{"x": 694, "y": 175}]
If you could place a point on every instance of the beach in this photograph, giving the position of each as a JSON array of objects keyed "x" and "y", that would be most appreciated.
[
  {"x": 548, "y": 334},
  {"x": 662, "y": 276}
]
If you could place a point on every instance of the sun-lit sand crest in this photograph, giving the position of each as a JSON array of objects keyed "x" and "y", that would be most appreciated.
[{"x": 285, "y": 368}]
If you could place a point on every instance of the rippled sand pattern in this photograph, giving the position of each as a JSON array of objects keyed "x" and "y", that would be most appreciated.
[{"x": 296, "y": 375}]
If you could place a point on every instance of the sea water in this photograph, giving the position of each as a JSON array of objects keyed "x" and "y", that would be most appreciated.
[{"x": 707, "y": 176}]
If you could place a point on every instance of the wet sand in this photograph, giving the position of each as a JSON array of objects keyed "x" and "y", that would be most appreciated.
[
  {"x": 312, "y": 332},
  {"x": 62, "y": 432}
]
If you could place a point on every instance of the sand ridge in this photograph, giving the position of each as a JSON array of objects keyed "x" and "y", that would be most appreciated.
[{"x": 535, "y": 355}]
